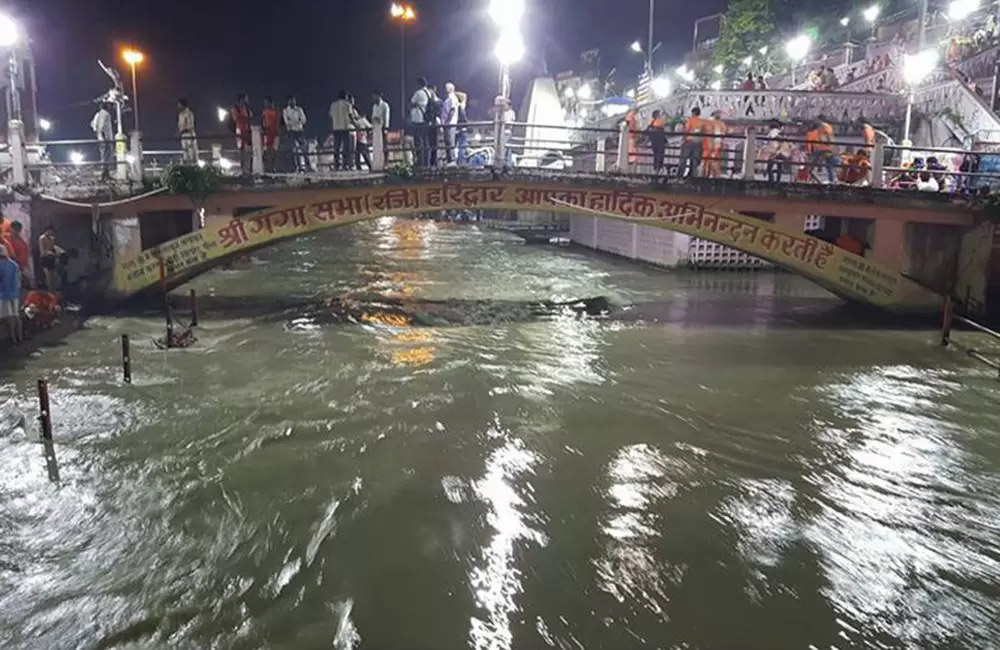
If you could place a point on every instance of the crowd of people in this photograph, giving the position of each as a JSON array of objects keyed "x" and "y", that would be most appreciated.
[
  {"x": 27, "y": 307},
  {"x": 433, "y": 131}
]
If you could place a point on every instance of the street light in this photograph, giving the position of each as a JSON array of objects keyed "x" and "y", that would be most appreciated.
[
  {"x": 636, "y": 47},
  {"x": 916, "y": 67},
  {"x": 510, "y": 47},
  {"x": 661, "y": 86},
  {"x": 763, "y": 50},
  {"x": 845, "y": 21},
  {"x": 797, "y": 49},
  {"x": 222, "y": 113},
  {"x": 718, "y": 69},
  {"x": 569, "y": 93},
  {"x": 9, "y": 32},
  {"x": 961, "y": 9},
  {"x": 403, "y": 13},
  {"x": 134, "y": 58},
  {"x": 76, "y": 157},
  {"x": 871, "y": 13},
  {"x": 584, "y": 92},
  {"x": 748, "y": 60},
  {"x": 44, "y": 124}
]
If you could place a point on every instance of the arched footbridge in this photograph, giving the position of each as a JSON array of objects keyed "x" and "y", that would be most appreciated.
[{"x": 849, "y": 276}]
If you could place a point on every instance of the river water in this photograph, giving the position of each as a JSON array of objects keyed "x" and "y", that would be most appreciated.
[{"x": 732, "y": 463}]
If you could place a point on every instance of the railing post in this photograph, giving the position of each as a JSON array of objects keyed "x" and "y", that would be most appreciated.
[
  {"x": 15, "y": 131},
  {"x": 378, "y": 147},
  {"x": 946, "y": 320},
  {"x": 136, "y": 168},
  {"x": 257, "y": 143},
  {"x": 878, "y": 162},
  {"x": 622, "y": 161},
  {"x": 602, "y": 145},
  {"x": 194, "y": 308},
  {"x": 121, "y": 157},
  {"x": 126, "y": 359},
  {"x": 500, "y": 135},
  {"x": 44, "y": 412},
  {"x": 750, "y": 156},
  {"x": 216, "y": 155}
]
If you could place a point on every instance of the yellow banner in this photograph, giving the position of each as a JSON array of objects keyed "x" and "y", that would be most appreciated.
[{"x": 844, "y": 273}]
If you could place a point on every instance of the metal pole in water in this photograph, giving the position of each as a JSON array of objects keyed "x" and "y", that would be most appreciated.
[
  {"x": 126, "y": 359},
  {"x": 194, "y": 308},
  {"x": 44, "y": 415},
  {"x": 946, "y": 320}
]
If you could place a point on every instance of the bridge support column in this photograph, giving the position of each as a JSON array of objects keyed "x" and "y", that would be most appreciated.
[
  {"x": 257, "y": 144},
  {"x": 378, "y": 148},
  {"x": 602, "y": 145},
  {"x": 623, "y": 149},
  {"x": 135, "y": 169},
  {"x": 889, "y": 245},
  {"x": 750, "y": 156},
  {"x": 15, "y": 132}
]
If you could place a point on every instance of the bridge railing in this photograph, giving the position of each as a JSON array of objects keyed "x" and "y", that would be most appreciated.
[{"x": 740, "y": 155}]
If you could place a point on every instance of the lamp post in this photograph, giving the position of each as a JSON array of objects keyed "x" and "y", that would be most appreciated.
[
  {"x": 916, "y": 67},
  {"x": 10, "y": 35},
  {"x": 403, "y": 13},
  {"x": 797, "y": 48},
  {"x": 510, "y": 47},
  {"x": 649, "y": 48},
  {"x": 871, "y": 15},
  {"x": 134, "y": 58}
]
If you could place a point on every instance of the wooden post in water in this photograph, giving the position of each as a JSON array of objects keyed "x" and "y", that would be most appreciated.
[
  {"x": 946, "y": 320},
  {"x": 44, "y": 415},
  {"x": 126, "y": 359},
  {"x": 166, "y": 303},
  {"x": 194, "y": 308}
]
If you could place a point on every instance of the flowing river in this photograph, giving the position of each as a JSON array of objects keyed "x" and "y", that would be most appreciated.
[{"x": 726, "y": 461}]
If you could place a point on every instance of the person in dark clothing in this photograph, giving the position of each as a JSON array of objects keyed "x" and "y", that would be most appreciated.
[{"x": 657, "y": 140}]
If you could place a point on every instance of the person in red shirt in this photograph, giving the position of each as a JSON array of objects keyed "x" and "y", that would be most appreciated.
[
  {"x": 749, "y": 83},
  {"x": 42, "y": 309},
  {"x": 270, "y": 123},
  {"x": 241, "y": 119},
  {"x": 18, "y": 250}
]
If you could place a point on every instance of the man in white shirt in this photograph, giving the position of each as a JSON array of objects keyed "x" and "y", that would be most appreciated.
[
  {"x": 380, "y": 110},
  {"x": 100, "y": 124},
  {"x": 422, "y": 121},
  {"x": 185, "y": 128},
  {"x": 341, "y": 120},
  {"x": 449, "y": 119},
  {"x": 295, "y": 125}
]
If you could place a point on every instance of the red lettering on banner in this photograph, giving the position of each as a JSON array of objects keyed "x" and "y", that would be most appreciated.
[
  {"x": 396, "y": 199},
  {"x": 352, "y": 206},
  {"x": 233, "y": 234},
  {"x": 436, "y": 196}
]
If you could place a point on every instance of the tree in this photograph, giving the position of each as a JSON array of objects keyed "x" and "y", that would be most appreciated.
[{"x": 747, "y": 26}]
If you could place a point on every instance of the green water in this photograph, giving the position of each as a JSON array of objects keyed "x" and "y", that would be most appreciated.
[{"x": 734, "y": 462}]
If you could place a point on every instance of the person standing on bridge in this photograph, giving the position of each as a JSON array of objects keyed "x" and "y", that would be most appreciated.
[
  {"x": 381, "y": 112},
  {"x": 449, "y": 122},
  {"x": 342, "y": 123},
  {"x": 715, "y": 136},
  {"x": 295, "y": 125},
  {"x": 185, "y": 129},
  {"x": 419, "y": 121},
  {"x": 100, "y": 124},
  {"x": 691, "y": 147},
  {"x": 657, "y": 134},
  {"x": 270, "y": 125},
  {"x": 240, "y": 123}
]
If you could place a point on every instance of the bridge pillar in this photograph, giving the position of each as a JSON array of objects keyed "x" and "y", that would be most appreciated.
[
  {"x": 623, "y": 149},
  {"x": 135, "y": 170},
  {"x": 15, "y": 131},
  {"x": 889, "y": 246},
  {"x": 378, "y": 148},
  {"x": 257, "y": 143}
]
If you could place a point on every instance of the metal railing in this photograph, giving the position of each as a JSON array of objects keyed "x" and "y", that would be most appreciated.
[
  {"x": 949, "y": 317},
  {"x": 737, "y": 156}
]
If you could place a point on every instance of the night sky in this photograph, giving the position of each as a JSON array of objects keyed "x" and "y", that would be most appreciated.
[{"x": 209, "y": 50}]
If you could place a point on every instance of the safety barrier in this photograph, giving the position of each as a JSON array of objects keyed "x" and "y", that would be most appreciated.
[{"x": 949, "y": 317}]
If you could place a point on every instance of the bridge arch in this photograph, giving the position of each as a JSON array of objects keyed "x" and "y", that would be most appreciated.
[{"x": 847, "y": 275}]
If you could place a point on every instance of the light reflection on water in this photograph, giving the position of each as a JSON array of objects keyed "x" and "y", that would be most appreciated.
[{"x": 717, "y": 470}]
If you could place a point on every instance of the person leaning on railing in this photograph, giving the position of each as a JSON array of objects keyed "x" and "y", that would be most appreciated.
[{"x": 691, "y": 146}]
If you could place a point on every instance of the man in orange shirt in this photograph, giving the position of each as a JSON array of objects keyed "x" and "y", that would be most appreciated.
[
  {"x": 632, "y": 125},
  {"x": 691, "y": 148},
  {"x": 715, "y": 131},
  {"x": 819, "y": 148}
]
